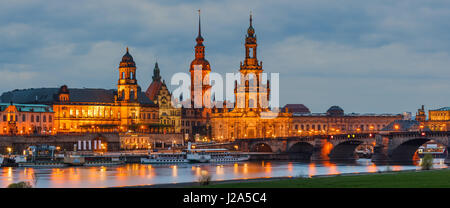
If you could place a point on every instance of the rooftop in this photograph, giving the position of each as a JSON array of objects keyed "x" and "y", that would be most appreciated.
[{"x": 27, "y": 107}]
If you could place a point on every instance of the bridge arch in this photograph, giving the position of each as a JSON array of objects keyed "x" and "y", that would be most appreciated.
[
  {"x": 261, "y": 147},
  {"x": 301, "y": 151},
  {"x": 345, "y": 150},
  {"x": 404, "y": 152}
]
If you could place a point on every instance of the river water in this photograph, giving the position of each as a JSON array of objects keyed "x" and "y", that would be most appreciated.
[{"x": 143, "y": 174}]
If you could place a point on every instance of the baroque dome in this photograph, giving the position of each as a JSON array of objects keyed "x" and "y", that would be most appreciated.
[
  {"x": 127, "y": 60},
  {"x": 335, "y": 111}
]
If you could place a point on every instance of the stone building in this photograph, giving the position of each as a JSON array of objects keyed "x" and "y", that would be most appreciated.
[
  {"x": 96, "y": 110},
  {"x": 335, "y": 121},
  {"x": 251, "y": 116},
  {"x": 23, "y": 119},
  {"x": 438, "y": 119},
  {"x": 195, "y": 118},
  {"x": 169, "y": 115}
]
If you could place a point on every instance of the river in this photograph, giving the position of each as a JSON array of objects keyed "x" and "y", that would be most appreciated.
[{"x": 143, "y": 174}]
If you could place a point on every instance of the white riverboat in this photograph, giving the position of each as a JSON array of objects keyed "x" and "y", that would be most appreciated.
[
  {"x": 215, "y": 155},
  {"x": 1, "y": 160},
  {"x": 165, "y": 158}
]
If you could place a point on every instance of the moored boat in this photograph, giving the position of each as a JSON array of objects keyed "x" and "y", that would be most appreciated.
[
  {"x": 165, "y": 158},
  {"x": 215, "y": 155},
  {"x": 42, "y": 164}
]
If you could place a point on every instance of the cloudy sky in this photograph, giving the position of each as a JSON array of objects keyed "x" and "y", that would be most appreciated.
[{"x": 365, "y": 56}]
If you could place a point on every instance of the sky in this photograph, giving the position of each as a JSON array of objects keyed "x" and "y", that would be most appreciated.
[{"x": 378, "y": 56}]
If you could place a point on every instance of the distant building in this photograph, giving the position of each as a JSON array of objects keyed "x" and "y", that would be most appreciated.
[
  {"x": 296, "y": 109},
  {"x": 335, "y": 121},
  {"x": 441, "y": 114},
  {"x": 404, "y": 125},
  {"x": 438, "y": 119},
  {"x": 407, "y": 115},
  {"x": 21, "y": 119}
]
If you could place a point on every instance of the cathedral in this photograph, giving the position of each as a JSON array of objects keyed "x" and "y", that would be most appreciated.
[{"x": 251, "y": 116}]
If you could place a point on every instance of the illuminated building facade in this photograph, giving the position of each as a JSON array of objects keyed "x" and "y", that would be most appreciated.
[
  {"x": 169, "y": 116},
  {"x": 23, "y": 119},
  {"x": 251, "y": 116},
  {"x": 334, "y": 121},
  {"x": 195, "y": 119},
  {"x": 438, "y": 119},
  {"x": 96, "y": 110}
]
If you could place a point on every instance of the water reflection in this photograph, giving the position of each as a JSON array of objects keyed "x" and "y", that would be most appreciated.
[{"x": 137, "y": 174}]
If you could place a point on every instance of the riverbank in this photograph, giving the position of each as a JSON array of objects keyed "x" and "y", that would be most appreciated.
[
  {"x": 403, "y": 179},
  {"x": 393, "y": 179}
]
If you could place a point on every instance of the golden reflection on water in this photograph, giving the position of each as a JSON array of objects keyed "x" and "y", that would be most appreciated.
[
  {"x": 268, "y": 168},
  {"x": 290, "y": 167},
  {"x": 198, "y": 171},
  {"x": 396, "y": 168},
  {"x": 312, "y": 169},
  {"x": 132, "y": 174},
  {"x": 220, "y": 170},
  {"x": 332, "y": 168},
  {"x": 174, "y": 170},
  {"x": 245, "y": 170},
  {"x": 372, "y": 168}
]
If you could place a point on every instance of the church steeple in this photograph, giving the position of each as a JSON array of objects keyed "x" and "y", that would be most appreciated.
[
  {"x": 199, "y": 48},
  {"x": 251, "y": 61},
  {"x": 250, "y": 30},
  {"x": 200, "y": 69},
  {"x": 127, "y": 85},
  {"x": 156, "y": 73}
]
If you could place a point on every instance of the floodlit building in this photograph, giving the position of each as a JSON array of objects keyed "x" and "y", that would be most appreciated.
[{"x": 22, "y": 119}]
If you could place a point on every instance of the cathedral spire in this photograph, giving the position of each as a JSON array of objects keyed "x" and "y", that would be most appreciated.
[
  {"x": 199, "y": 48},
  {"x": 251, "y": 30},
  {"x": 199, "y": 37},
  {"x": 156, "y": 73}
]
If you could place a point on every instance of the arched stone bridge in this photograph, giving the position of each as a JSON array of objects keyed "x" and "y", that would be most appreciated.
[
  {"x": 316, "y": 148},
  {"x": 399, "y": 147},
  {"x": 388, "y": 147}
]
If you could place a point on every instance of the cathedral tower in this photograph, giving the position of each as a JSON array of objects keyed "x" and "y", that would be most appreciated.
[
  {"x": 127, "y": 85},
  {"x": 200, "y": 69},
  {"x": 251, "y": 94}
]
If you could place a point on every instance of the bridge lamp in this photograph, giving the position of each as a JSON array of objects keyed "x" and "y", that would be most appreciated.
[
  {"x": 396, "y": 127},
  {"x": 9, "y": 149}
]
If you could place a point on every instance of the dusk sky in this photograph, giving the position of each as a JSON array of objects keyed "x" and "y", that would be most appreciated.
[{"x": 365, "y": 56}]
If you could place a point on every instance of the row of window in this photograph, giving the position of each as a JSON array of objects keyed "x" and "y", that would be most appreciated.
[
  {"x": 24, "y": 118},
  {"x": 149, "y": 116},
  {"x": 31, "y": 130},
  {"x": 319, "y": 127},
  {"x": 190, "y": 123}
]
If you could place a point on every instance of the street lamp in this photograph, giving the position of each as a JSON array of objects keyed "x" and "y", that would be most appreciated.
[{"x": 9, "y": 150}]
